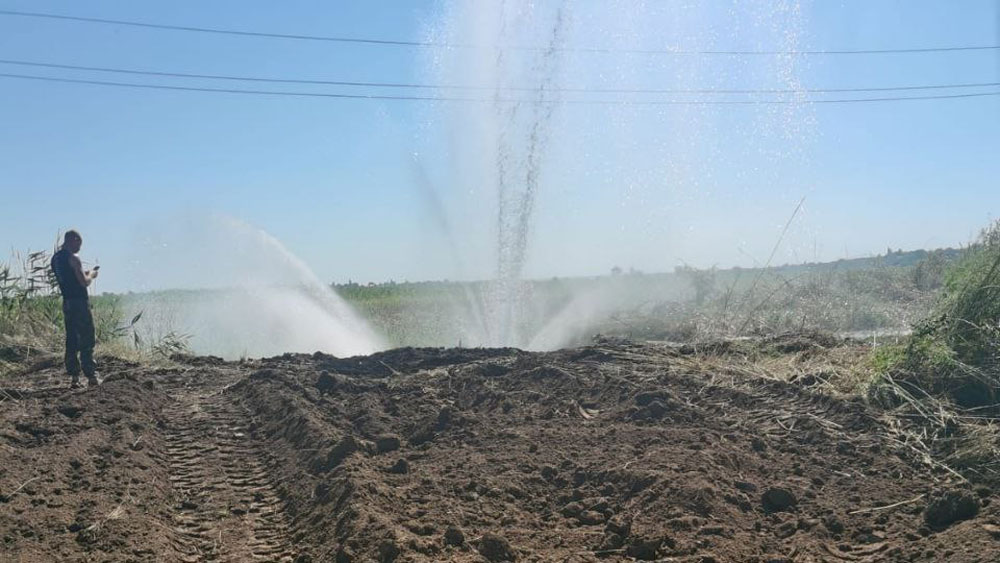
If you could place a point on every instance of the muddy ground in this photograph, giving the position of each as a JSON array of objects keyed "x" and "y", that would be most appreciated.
[{"x": 613, "y": 452}]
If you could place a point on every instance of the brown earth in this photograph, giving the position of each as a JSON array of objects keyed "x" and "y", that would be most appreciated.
[{"x": 615, "y": 452}]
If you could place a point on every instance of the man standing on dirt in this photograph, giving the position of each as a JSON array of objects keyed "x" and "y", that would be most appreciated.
[{"x": 73, "y": 282}]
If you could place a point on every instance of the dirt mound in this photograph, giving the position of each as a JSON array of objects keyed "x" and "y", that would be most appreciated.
[
  {"x": 605, "y": 453},
  {"x": 79, "y": 472}
]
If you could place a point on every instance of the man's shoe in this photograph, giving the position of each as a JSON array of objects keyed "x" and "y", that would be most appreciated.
[
  {"x": 92, "y": 381},
  {"x": 75, "y": 383}
]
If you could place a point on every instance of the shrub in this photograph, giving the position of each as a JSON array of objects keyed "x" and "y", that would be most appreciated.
[{"x": 956, "y": 352}]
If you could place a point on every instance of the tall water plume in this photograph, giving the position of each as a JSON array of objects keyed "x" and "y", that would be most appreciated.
[
  {"x": 589, "y": 119},
  {"x": 514, "y": 132},
  {"x": 580, "y": 118}
]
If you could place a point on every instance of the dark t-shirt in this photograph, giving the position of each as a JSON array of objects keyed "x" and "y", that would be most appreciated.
[{"x": 69, "y": 285}]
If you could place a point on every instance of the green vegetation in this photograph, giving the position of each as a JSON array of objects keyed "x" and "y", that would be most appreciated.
[
  {"x": 886, "y": 293},
  {"x": 943, "y": 380},
  {"x": 31, "y": 317},
  {"x": 953, "y": 353},
  {"x": 411, "y": 314},
  {"x": 24, "y": 310}
]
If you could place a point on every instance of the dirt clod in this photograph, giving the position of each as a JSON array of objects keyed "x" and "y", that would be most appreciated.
[
  {"x": 778, "y": 500},
  {"x": 422, "y": 434},
  {"x": 386, "y": 444},
  {"x": 496, "y": 548},
  {"x": 572, "y": 510},
  {"x": 401, "y": 467},
  {"x": 70, "y": 411},
  {"x": 326, "y": 383},
  {"x": 454, "y": 536},
  {"x": 345, "y": 447},
  {"x": 345, "y": 555},
  {"x": 591, "y": 518},
  {"x": 549, "y": 473},
  {"x": 948, "y": 507},
  {"x": 833, "y": 524},
  {"x": 644, "y": 549},
  {"x": 647, "y": 397},
  {"x": 388, "y": 551}
]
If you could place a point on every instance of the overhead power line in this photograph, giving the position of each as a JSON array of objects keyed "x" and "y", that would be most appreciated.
[
  {"x": 490, "y": 99},
  {"x": 492, "y": 88},
  {"x": 406, "y": 43}
]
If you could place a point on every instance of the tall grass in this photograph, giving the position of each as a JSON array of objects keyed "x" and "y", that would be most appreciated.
[
  {"x": 956, "y": 351},
  {"x": 31, "y": 317},
  {"x": 29, "y": 310},
  {"x": 945, "y": 378},
  {"x": 877, "y": 298},
  {"x": 970, "y": 306}
]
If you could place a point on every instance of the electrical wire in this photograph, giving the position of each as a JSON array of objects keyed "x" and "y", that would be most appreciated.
[
  {"x": 491, "y": 88},
  {"x": 488, "y": 99},
  {"x": 405, "y": 43}
]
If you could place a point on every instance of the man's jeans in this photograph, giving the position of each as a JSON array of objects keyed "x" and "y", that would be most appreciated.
[{"x": 79, "y": 337}]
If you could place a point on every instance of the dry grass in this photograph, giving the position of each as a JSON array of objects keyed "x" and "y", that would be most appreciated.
[{"x": 957, "y": 443}]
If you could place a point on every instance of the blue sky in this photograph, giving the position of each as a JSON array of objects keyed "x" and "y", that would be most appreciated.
[{"x": 356, "y": 188}]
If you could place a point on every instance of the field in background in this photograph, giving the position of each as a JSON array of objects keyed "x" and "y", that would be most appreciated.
[{"x": 867, "y": 295}]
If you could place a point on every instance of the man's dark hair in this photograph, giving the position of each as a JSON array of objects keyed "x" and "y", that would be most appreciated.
[{"x": 71, "y": 234}]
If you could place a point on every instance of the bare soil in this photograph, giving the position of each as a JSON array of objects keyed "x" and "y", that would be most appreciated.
[{"x": 613, "y": 452}]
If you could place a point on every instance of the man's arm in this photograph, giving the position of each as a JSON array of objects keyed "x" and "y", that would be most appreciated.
[{"x": 81, "y": 276}]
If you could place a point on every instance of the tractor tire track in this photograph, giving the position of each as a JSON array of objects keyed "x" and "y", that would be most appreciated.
[{"x": 225, "y": 507}]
